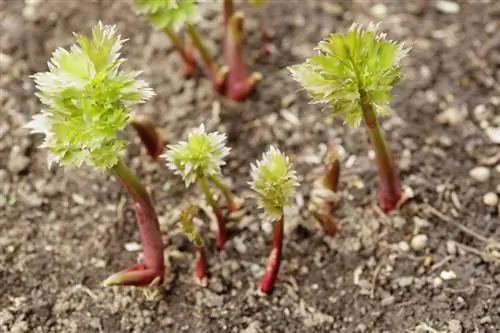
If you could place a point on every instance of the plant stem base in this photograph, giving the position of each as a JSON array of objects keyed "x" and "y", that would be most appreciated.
[{"x": 274, "y": 260}]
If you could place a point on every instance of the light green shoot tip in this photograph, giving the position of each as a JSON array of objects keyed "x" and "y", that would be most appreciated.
[
  {"x": 362, "y": 60},
  {"x": 87, "y": 100},
  {"x": 187, "y": 225},
  {"x": 169, "y": 14},
  {"x": 274, "y": 182},
  {"x": 202, "y": 155}
]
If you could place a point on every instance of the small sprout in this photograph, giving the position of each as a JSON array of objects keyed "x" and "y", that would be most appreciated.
[
  {"x": 275, "y": 183},
  {"x": 151, "y": 137},
  {"x": 187, "y": 216},
  {"x": 88, "y": 100},
  {"x": 323, "y": 197},
  {"x": 199, "y": 159},
  {"x": 202, "y": 155},
  {"x": 239, "y": 84},
  {"x": 170, "y": 16},
  {"x": 354, "y": 73}
]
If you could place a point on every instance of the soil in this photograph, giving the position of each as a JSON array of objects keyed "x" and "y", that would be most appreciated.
[{"x": 63, "y": 231}]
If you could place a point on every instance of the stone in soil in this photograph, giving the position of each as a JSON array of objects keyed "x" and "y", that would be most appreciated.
[{"x": 480, "y": 174}]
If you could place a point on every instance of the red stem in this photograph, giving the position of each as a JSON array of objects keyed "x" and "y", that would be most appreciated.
[
  {"x": 201, "y": 271},
  {"x": 222, "y": 233},
  {"x": 153, "y": 268},
  {"x": 150, "y": 136},
  {"x": 390, "y": 191},
  {"x": 187, "y": 55},
  {"x": 239, "y": 84},
  {"x": 274, "y": 260}
]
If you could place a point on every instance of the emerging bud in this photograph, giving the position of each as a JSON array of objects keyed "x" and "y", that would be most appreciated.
[
  {"x": 274, "y": 182},
  {"x": 362, "y": 60},
  {"x": 87, "y": 101},
  {"x": 202, "y": 155}
]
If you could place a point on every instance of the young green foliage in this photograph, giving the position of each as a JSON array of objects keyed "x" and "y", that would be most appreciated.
[
  {"x": 274, "y": 182},
  {"x": 201, "y": 156},
  {"x": 199, "y": 159},
  {"x": 188, "y": 227},
  {"x": 362, "y": 61},
  {"x": 88, "y": 100},
  {"x": 354, "y": 73},
  {"x": 171, "y": 14}
]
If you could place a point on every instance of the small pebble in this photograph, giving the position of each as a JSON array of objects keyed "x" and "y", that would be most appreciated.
[
  {"x": 480, "y": 174},
  {"x": 451, "y": 247},
  {"x": 455, "y": 326},
  {"x": 419, "y": 242},
  {"x": 389, "y": 300},
  {"x": 437, "y": 282},
  {"x": 405, "y": 281},
  {"x": 18, "y": 162},
  {"x": 490, "y": 199},
  {"x": 447, "y": 7},
  {"x": 447, "y": 275},
  {"x": 404, "y": 246},
  {"x": 379, "y": 11},
  {"x": 493, "y": 134}
]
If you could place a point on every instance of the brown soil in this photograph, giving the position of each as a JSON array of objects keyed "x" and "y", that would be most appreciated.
[{"x": 63, "y": 231}]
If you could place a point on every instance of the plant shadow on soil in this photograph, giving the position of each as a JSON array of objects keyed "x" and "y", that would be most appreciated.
[{"x": 62, "y": 232}]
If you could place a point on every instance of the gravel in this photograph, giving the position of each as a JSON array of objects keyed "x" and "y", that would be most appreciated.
[
  {"x": 490, "y": 199},
  {"x": 480, "y": 174},
  {"x": 419, "y": 242}
]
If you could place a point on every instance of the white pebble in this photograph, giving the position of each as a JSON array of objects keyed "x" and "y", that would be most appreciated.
[
  {"x": 437, "y": 282},
  {"x": 447, "y": 7},
  {"x": 480, "y": 174},
  {"x": 451, "y": 247},
  {"x": 455, "y": 326},
  {"x": 132, "y": 246},
  {"x": 403, "y": 246},
  {"x": 490, "y": 199},
  {"x": 419, "y": 242},
  {"x": 447, "y": 275},
  {"x": 493, "y": 134},
  {"x": 379, "y": 11}
]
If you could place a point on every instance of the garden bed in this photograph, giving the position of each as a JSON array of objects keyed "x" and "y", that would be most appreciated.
[{"x": 63, "y": 231}]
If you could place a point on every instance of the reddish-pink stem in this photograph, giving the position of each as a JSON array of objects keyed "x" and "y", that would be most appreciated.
[
  {"x": 153, "y": 268},
  {"x": 201, "y": 270},
  {"x": 239, "y": 84},
  {"x": 274, "y": 260},
  {"x": 390, "y": 191}
]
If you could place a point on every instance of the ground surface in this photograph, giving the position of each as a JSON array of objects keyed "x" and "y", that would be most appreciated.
[{"x": 62, "y": 232}]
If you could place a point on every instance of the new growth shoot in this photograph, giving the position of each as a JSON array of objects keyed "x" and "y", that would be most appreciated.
[
  {"x": 170, "y": 16},
  {"x": 199, "y": 160},
  {"x": 324, "y": 195},
  {"x": 274, "y": 182},
  {"x": 87, "y": 100},
  {"x": 187, "y": 225},
  {"x": 354, "y": 73}
]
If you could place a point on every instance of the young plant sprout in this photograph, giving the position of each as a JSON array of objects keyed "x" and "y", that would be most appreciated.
[
  {"x": 265, "y": 48},
  {"x": 239, "y": 84},
  {"x": 199, "y": 160},
  {"x": 354, "y": 73},
  {"x": 323, "y": 197},
  {"x": 151, "y": 137},
  {"x": 169, "y": 16},
  {"x": 274, "y": 182},
  {"x": 87, "y": 100},
  {"x": 201, "y": 272}
]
